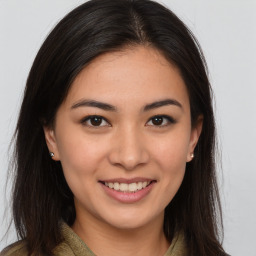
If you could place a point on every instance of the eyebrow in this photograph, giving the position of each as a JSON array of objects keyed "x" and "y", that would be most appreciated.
[
  {"x": 108, "y": 107},
  {"x": 94, "y": 103},
  {"x": 162, "y": 103}
]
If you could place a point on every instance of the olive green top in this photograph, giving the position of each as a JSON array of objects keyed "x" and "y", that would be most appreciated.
[{"x": 74, "y": 246}]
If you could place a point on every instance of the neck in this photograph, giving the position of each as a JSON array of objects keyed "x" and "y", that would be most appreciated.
[{"x": 105, "y": 240}]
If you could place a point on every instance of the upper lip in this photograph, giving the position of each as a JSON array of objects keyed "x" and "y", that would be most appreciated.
[{"x": 127, "y": 181}]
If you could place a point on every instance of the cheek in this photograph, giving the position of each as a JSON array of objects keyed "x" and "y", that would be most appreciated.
[
  {"x": 170, "y": 156},
  {"x": 79, "y": 155},
  {"x": 80, "y": 160},
  {"x": 171, "y": 153},
  {"x": 172, "y": 161}
]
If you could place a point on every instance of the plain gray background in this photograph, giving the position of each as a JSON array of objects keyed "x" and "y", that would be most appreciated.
[{"x": 226, "y": 30}]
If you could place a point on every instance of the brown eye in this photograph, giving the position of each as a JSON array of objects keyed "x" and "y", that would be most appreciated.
[
  {"x": 157, "y": 120},
  {"x": 161, "y": 121},
  {"x": 95, "y": 121}
]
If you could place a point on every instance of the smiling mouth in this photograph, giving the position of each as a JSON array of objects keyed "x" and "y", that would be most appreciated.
[{"x": 127, "y": 187}]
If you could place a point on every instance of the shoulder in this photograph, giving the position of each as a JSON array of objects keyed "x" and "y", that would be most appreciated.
[
  {"x": 178, "y": 246},
  {"x": 16, "y": 249},
  {"x": 71, "y": 245},
  {"x": 20, "y": 249}
]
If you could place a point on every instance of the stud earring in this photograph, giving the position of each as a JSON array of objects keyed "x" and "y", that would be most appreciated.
[
  {"x": 51, "y": 154},
  {"x": 192, "y": 155}
]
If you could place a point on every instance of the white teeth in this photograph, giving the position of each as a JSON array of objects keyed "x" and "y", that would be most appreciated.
[
  {"x": 125, "y": 187},
  {"x": 132, "y": 187},
  {"x": 116, "y": 186}
]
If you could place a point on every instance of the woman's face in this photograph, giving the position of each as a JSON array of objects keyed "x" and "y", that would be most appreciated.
[{"x": 123, "y": 136}]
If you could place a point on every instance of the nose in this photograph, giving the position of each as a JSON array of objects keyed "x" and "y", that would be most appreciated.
[{"x": 128, "y": 150}]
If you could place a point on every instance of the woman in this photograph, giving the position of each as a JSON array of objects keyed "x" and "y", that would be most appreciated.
[{"x": 115, "y": 139}]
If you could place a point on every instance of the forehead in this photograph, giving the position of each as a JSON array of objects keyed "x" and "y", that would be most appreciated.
[{"x": 139, "y": 74}]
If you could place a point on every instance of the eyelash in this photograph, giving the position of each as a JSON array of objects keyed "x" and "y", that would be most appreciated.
[
  {"x": 168, "y": 119},
  {"x": 89, "y": 118}
]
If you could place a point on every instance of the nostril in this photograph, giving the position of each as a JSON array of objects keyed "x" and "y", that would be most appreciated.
[{"x": 128, "y": 153}]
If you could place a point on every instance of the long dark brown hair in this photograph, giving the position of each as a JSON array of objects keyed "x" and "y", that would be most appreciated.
[{"x": 41, "y": 196}]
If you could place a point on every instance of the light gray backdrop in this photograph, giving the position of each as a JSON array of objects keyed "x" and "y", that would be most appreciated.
[{"x": 226, "y": 30}]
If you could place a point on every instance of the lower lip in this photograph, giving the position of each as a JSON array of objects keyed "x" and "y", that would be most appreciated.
[{"x": 125, "y": 197}]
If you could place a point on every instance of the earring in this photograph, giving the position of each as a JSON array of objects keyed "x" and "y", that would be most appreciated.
[
  {"x": 192, "y": 155},
  {"x": 51, "y": 154}
]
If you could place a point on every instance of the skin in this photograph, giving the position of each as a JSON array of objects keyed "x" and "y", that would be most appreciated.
[{"x": 126, "y": 144}]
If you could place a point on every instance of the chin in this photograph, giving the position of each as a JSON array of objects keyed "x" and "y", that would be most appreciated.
[
  {"x": 130, "y": 221},
  {"x": 127, "y": 225}
]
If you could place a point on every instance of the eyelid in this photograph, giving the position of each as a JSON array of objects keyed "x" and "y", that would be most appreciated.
[
  {"x": 87, "y": 118},
  {"x": 170, "y": 120}
]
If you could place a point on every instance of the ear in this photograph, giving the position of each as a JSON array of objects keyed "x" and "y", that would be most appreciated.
[
  {"x": 50, "y": 139},
  {"x": 194, "y": 137}
]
